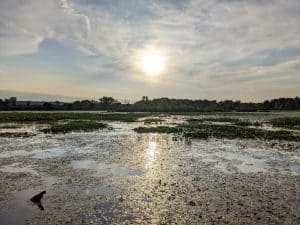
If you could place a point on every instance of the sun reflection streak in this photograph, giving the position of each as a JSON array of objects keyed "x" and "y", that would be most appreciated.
[{"x": 151, "y": 152}]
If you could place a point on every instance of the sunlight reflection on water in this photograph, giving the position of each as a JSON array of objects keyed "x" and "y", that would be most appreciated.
[{"x": 151, "y": 152}]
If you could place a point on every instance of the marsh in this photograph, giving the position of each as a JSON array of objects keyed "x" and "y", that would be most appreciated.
[{"x": 113, "y": 174}]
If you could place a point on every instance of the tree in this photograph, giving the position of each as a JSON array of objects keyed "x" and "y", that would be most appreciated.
[
  {"x": 108, "y": 102},
  {"x": 47, "y": 105},
  {"x": 12, "y": 101}
]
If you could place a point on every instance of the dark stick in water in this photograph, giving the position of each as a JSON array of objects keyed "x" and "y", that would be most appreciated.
[{"x": 37, "y": 199}]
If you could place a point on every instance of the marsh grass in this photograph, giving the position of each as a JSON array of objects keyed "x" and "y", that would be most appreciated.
[
  {"x": 221, "y": 131},
  {"x": 10, "y": 126},
  {"x": 16, "y": 134},
  {"x": 74, "y": 126},
  {"x": 214, "y": 119},
  {"x": 39, "y": 117},
  {"x": 286, "y": 122},
  {"x": 233, "y": 121},
  {"x": 232, "y": 132},
  {"x": 246, "y": 123},
  {"x": 219, "y": 114},
  {"x": 159, "y": 129}
]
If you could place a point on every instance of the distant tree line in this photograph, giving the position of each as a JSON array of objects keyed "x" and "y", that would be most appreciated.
[{"x": 154, "y": 105}]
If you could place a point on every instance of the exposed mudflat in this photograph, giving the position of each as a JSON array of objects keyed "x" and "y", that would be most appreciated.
[{"x": 121, "y": 177}]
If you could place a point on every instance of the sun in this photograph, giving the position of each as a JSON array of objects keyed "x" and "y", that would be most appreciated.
[{"x": 152, "y": 63}]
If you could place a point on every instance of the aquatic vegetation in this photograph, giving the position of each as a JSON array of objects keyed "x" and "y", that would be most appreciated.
[
  {"x": 248, "y": 123},
  {"x": 235, "y": 121},
  {"x": 219, "y": 113},
  {"x": 43, "y": 117},
  {"x": 159, "y": 129},
  {"x": 287, "y": 122},
  {"x": 124, "y": 117},
  {"x": 231, "y": 132},
  {"x": 257, "y": 124},
  {"x": 16, "y": 134},
  {"x": 74, "y": 126},
  {"x": 221, "y": 131},
  {"x": 215, "y": 119},
  {"x": 10, "y": 126},
  {"x": 243, "y": 123},
  {"x": 153, "y": 121},
  {"x": 101, "y": 162},
  {"x": 195, "y": 120}
]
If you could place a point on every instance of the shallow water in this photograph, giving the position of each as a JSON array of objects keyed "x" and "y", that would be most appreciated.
[
  {"x": 20, "y": 208},
  {"x": 239, "y": 161},
  {"x": 120, "y": 177},
  {"x": 15, "y": 168},
  {"x": 103, "y": 169}
]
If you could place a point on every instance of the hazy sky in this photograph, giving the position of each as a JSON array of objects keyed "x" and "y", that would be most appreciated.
[{"x": 212, "y": 49}]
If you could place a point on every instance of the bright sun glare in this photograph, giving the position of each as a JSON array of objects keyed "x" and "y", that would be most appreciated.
[{"x": 152, "y": 63}]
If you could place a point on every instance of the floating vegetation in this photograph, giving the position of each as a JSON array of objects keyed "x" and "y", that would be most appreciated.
[
  {"x": 286, "y": 122},
  {"x": 16, "y": 134},
  {"x": 10, "y": 126},
  {"x": 234, "y": 121},
  {"x": 248, "y": 123},
  {"x": 214, "y": 119},
  {"x": 243, "y": 123},
  {"x": 222, "y": 131},
  {"x": 124, "y": 117},
  {"x": 231, "y": 132},
  {"x": 159, "y": 129},
  {"x": 43, "y": 117},
  {"x": 74, "y": 126},
  {"x": 219, "y": 113},
  {"x": 195, "y": 120}
]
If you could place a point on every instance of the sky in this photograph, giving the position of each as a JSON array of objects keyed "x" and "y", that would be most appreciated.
[{"x": 245, "y": 50}]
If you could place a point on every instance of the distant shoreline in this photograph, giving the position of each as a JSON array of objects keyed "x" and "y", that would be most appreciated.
[{"x": 153, "y": 105}]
